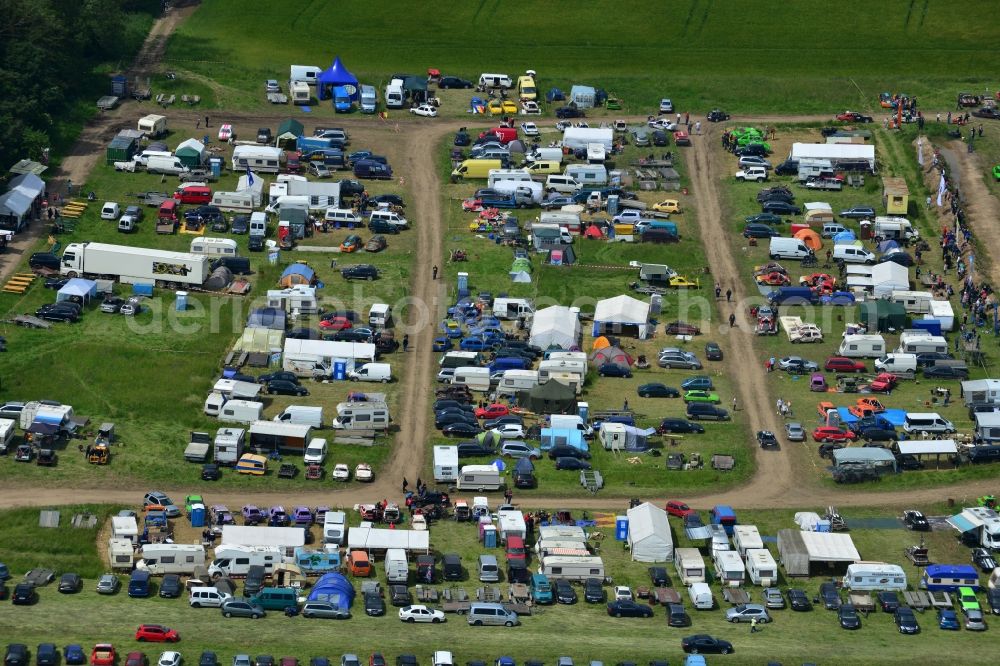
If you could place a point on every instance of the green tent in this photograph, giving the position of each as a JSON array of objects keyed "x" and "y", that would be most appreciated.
[
  {"x": 521, "y": 264},
  {"x": 289, "y": 132},
  {"x": 882, "y": 315},
  {"x": 548, "y": 398}
]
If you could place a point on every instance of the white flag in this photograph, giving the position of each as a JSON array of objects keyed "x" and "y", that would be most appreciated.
[{"x": 942, "y": 186}]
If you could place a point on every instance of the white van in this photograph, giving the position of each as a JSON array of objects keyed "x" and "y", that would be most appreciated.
[
  {"x": 380, "y": 315},
  {"x": 371, "y": 372},
  {"x": 305, "y": 73},
  {"x": 930, "y": 422},
  {"x": 862, "y": 346},
  {"x": 559, "y": 182},
  {"x": 207, "y": 597},
  {"x": 495, "y": 81},
  {"x": 852, "y": 254},
  {"x": 214, "y": 247},
  {"x": 701, "y": 596},
  {"x": 788, "y": 248},
  {"x": 315, "y": 452},
  {"x": 258, "y": 224},
  {"x": 172, "y": 165},
  {"x": 241, "y": 411},
  {"x": 389, "y": 217},
  {"x": 301, "y": 415},
  {"x": 552, "y": 154},
  {"x": 897, "y": 363},
  {"x": 518, "y": 175},
  {"x": 110, "y": 210},
  {"x": 394, "y": 95},
  {"x": 342, "y": 216},
  {"x": 477, "y": 379}
]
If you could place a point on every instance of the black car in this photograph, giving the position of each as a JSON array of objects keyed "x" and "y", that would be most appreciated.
[
  {"x": 946, "y": 372},
  {"x": 208, "y": 658},
  {"x": 705, "y": 644},
  {"x": 798, "y": 600},
  {"x": 171, "y": 586},
  {"x": 901, "y": 258},
  {"x": 24, "y": 594},
  {"x": 752, "y": 149},
  {"x": 780, "y": 208},
  {"x": 887, "y": 601},
  {"x": 830, "y": 595},
  {"x": 241, "y": 224},
  {"x": 444, "y": 403},
  {"x": 220, "y": 225},
  {"x": 564, "y": 451},
  {"x": 658, "y": 576},
  {"x": 462, "y": 138},
  {"x": 359, "y": 272},
  {"x": 264, "y": 135},
  {"x": 905, "y": 620},
  {"x": 569, "y": 112},
  {"x": 982, "y": 559},
  {"x": 878, "y": 435},
  {"x": 391, "y": 199},
  {"x": 628, "y": 608},
  {"x": 766, "y": 439},
  {"x": 56, "y": 283},
  {"x": 16, "y": 655},
  {"x": 453, "y": 82},
  {"x": 44, "y": 260},
  {"x": 759, "y": 231},
  {"x": 929, "y": 358},
  {"x": 57, "y": 314},
  {"x": 565, "y": 594},
  {"x": 374, "y": 605},
  {"x": 210, "y": 472},
  {"x": 679, "y": 426},
  {"x": 657, "y": 390},
  {"x": 517, "y": 572},
  {"x": 717, "y": 116},
  {"x": 461, "y": 430},
  {"x": 593, "y": 591},
  {"x": 70, "y": 583},
  {"x": 660, "y": 138},
  {"x": 285, "y": 387},
  {"x": 351, "y": 335},
  {"x": 859, "y": 212},
  {"x": 614, "y": 370},
  {"x": 713, "y": 352},
  {"x": 763, "y": 218},
  {"x": 993, "y": 599},
  {"x": 264, "y": 660},
  {"x": 571, "y": 463},
  {"x": 677, "y": 616},
  {"x": 916, "y": 521},
  {"x": 512, "y": 419},
  {"x": 442, "y": 421},
  {"x": 47, "y": 654},
  {"x": 283, "y": 375},
  {"x": 693, "y": 520},
  {"x": 848, "y": 617}
]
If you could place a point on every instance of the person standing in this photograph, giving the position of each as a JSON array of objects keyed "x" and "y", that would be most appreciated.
[
  {"x": 434, "y": 271},
  {"x": 718, "y": 290},
  {"x": 732, "y": 320},
  {"x": 406, "y": 342},
  {"x": 778, "y": 405},
  {"x": 729, "y": 295},
  {"x": 734, "y": 403},
  {"x": 206, "y": 122},
  {"x": 753, "y": 625}
]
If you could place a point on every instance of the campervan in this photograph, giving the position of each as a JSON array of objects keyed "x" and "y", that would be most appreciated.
[
  {"x": 571, "y": 568},
  {"x": 874, "y": 576},
  {"x": 862, "y": 346},
  {"x": 362, "y": 416},
  {"x": 761, "y": 567},
  {"x": 689, "y": 565},
  {"x": 495, "y": 81},
  {"x": 164, "y": 558},
  {"x": 235, "y": 560},
  {"x": 913, "y": 301},
  {"x": 479, "y": 477},
  {"x": 729, "y": 569}
]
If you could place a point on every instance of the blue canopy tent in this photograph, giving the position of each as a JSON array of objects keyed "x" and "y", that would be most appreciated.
[
  {"x": 337, "y": 75},
  {"x": 333, "y": 589}
]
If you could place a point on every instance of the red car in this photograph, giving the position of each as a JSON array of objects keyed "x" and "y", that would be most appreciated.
[
  {"x": 831, "y": 434},
  {"x": 682, "y": 328},
  {"x": 843, "y": 364},
  {"x": 774, "y": 279},
  {"x": 493, "y": 411},
  {"x": 103, "y": 654},
  {"x": 884, "y": 382},
  {"x": 679, "y": 509},
  {"x": 156, "y": 633},
  {"x": 135, "y": 659},
  {"x": 854, "y": 117},
  {"x": 336, "y": 324}
]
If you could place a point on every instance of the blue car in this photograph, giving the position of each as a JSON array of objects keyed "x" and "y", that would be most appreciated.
[
  {"x": 948, "y": 620},
  {"x": 697, "y": 383},
  {"x": 441, "y": 344},
  {"x": 473, "y": 344},
  {"x": 844, "y": 298},
  {"x": 73, "y": 654}
]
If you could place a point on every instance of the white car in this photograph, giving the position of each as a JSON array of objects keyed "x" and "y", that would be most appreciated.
[
  {"x": 421, "y": 613},
  {"x": 510, "y": 431},
  {"x": 445, "y": 375},
  {"x": 662, "y": 124},
  {"x": 341, "y": 472},
  {"x": 530, "y": 108},
  {"x": 666, "y": 106},
  {"x": 623, "y": 593},
  {"x": 169, "y": 658},
  {"x": 363, "y": 472},
  {"x": 225, "y": 132},
  {"x": 425, "y": 110},
  {"x": 272, "y": 86},
  {"x": 529, "y": 129}
]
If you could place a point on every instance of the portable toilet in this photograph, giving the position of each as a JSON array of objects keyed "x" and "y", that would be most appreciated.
[
  {"x": 215, "y": 166},
  {"x": 119, "y": 86},
  {"x": 182, "y": 301},
  {"x": 340, "y": 370},
  {"x": 583, "y": 410},
  {"x": 621, "y": 528},
  {"x": 463, "y": 284},
  {"x": 612, "y": 205},
  {"x": 489, "y": 536},
  {"x": 655, "y": 304},
  {"x": 197, "y": 515}
]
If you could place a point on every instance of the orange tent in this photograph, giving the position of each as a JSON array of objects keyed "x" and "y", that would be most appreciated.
[
  {"x": 810, "y": 238},
  {"x": 601, "y": 343}
]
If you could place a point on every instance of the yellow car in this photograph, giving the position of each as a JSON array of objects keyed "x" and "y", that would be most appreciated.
[
  {"x": 509, "y": 106},
  {"x": 667, "y": 206},
  {"x": 494, "y": 107},
  {"x": 681, "y": 282}
]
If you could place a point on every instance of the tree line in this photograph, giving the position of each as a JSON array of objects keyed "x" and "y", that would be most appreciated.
[{"x": 55, "y": 58}]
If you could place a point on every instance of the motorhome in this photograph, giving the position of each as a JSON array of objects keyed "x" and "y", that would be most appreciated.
[
  {"x": 746, "y": 537},
  {"x": 571, "y": 568},
  {"x": 895, "y": 228},
  {"x": 499, "y": 175},
  {"x": 477, "y": 379},
  {"x": 729, "y": 569},
  {"x": 874, "y": 576},
  {"x": 229, "y": 445},
  {"x": 362, "y": 416},
  {"x": 690, "y": 565},
  {"x": 761, "y": 567},
  {"x": 234, "y": 561},
  {"x": 479, "y": 477},
  {"x": 164, "y": 558},
  {"x": 445, "y": 464}
]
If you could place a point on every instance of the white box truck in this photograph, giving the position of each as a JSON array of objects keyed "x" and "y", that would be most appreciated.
[
  {"x": 397, "y": 569},
  {"x": 445, "y": 464},
  {"x": 134, "y": 265},
  {"x": 164, "y": 558}
]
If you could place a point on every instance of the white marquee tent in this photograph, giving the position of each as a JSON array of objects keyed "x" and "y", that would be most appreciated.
[
  {"x": 622, "y": 311},
  {"x": 649, "y": 536},
  {"x": 557, "y": 326}
]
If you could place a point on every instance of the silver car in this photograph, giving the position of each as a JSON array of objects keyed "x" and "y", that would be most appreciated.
[
  {"x": 747, "y": 612},
  {"x": 974, "y": 619},
  {"x": 640, "y": 138},
  {"x": 321, "y": 609},
  {"x": 795, "y": 432},
  {"x": 241, "y": 608},
  {"x": 678, "y": 361},
  {"x": 108, "y": 584},
  {"x": 773, "y": 598}
]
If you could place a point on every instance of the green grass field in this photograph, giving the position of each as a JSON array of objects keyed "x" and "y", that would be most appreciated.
[
  {"x": 583, "y": 631},
  {"x": 745, "y": 56}
]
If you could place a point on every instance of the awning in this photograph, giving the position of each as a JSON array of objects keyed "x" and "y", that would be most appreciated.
[
  {"x": 927, "y": 447},
  {"x": 963, "y": 524},
  {"x": 698, "y": 533}
]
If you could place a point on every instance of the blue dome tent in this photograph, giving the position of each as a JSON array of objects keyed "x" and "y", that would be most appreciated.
[
  {"x": 334, "y": 589},
  {"x": 336, "y": 75}
]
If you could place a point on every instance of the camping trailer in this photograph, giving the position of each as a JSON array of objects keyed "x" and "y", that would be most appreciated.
[
  {"x": 445, "y": 464},
  {"x": 265, "y": 159},
  {"x": 690, "y": 565},
  {"x": 746, "y": 537},
  {"x": 729, "y": 569},
  {"x": 241, "y": 411},
  {"x": 874, "y": 576},
  {"x": 571, "y": 568},
  {"x": 121, "y": 554},
  {"x": 228, "y": 445},
  {"x": 761, "y": 567},
  {"x": 513, "y": 381},
  {"x": 862, "y": 346},
  {"x": 477, "y": 379},
  {"x": 479, "y": 477}
]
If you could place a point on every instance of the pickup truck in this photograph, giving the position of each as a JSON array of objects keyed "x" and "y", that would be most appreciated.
[{"x": 103, "y": 654}]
